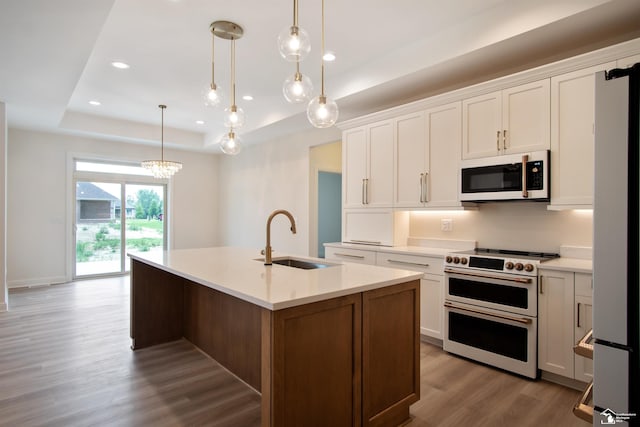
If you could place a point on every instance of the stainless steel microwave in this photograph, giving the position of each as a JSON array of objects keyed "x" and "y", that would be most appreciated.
[{"x": 522, "y": 176}]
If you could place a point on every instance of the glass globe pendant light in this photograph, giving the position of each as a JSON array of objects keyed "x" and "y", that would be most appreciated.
[
  {"x": 230, "y": 143},
  {"x": 213, "y": 94},
  {"x": 297, "y": 88},
  {"x": 293, "y": 42},
  {"x": 322, "y": 112},
  {"x": 233, "y": 115}
]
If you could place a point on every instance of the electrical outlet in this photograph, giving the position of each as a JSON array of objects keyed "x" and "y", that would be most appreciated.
[{"x": 446, "y": 224}]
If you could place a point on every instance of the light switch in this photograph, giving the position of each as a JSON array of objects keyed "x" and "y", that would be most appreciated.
[{"x": 446, "y": 224}]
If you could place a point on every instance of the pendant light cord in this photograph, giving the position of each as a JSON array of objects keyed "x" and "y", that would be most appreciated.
[
  {"x": 295, "y": 13},
  {"x": 213, "y": 38},
  {"x": 322, "y": 47},
  {"x": 162, "y": 107},
  {"x": 233, "y": 71}
]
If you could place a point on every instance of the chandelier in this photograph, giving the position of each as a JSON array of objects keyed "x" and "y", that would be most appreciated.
[{"x": 161, "y": 168}]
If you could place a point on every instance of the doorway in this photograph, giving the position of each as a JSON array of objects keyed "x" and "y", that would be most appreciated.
[{"x": 329, "y": 209}]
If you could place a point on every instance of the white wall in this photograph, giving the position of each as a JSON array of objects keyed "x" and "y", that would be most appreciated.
[
  {"x": 4, "y": 297},
  {"x": 519, "y": 226},
  {"x": 263, "y": 178},
  {"x": 38, "y": 217}
]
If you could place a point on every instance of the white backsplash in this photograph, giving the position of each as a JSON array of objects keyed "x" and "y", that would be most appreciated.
[{"x": 509, "y": 225}]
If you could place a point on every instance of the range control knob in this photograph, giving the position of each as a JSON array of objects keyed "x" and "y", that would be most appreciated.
[
  {"x": 519, "y": 266},
  {"x": 463, "y": 261},
  {"x": 449, "y": 259},
  {"x": 456, "y": 260},
  {"x": 528, "y": 267},
  {"x": 509, "y": 265}
]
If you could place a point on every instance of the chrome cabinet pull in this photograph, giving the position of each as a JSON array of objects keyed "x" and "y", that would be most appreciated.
[
  {"x": 349, "y": 255},
  {"x": 541, "y": 292},
  {"x": 522, "y": 320},
  {"x": 525, "y": 159},
  {"x": 504, "y": 139},
  {"x": 366, "y": 191},
  {"x": 363, "y": 180},
  {"x": 498, "y": 140},
  {"x": 395, "y": 261},
  {"x": 421, "y": 188},
  {"x": 426, "y": 195}
]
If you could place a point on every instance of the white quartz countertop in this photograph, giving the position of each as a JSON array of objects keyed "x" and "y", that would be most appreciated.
[
  {"x": 237, "y": 272},
  {"x": 577, "y": 265}
]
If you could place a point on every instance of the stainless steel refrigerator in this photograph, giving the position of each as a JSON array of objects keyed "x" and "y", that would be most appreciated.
[{"x": 616, "y": 300}]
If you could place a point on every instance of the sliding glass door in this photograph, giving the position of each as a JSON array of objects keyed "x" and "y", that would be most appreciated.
[
  {"x": 115, "y": 214},
  {"x": 145, "y": 221},
  {"x": 98, "y": 228}
]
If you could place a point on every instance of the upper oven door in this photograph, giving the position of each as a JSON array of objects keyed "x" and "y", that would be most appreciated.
[
  {"x": 509, "y": 177},
  {"x": 507, "y": 292}
]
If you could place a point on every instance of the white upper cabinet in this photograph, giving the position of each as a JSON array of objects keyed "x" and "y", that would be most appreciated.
[
  {"x": 427, "y": 159},
  {"x": 444, "y": 137},
  {"x": 368, "y": 153},
  {"x": 572, "y": 138},
  {"x": 513, "y": 120},
  {"x": 412, "y": 160}
]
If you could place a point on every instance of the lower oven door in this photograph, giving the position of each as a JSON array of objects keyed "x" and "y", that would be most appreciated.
[
  {"x": 499, "y": 291},
  {"x": 497, "y": 338}
]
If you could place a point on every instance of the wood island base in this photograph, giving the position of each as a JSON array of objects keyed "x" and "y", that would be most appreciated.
[{"x": 346, "y": 361}]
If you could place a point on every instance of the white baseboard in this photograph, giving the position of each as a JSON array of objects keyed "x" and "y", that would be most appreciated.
[{"x": 41, "y": 281}]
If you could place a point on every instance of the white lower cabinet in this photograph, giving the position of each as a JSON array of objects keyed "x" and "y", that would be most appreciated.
[
  {"x": 431, "y": 287},
  {"x": 359, "y": 256},
  {"x": 432, "y": 305},
  {"x": 564, "y": 317}
]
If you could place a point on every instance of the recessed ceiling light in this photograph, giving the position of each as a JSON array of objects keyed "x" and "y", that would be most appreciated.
[
  {"x": 248, "y": 98},
  {"x": 94, "y": 102},
  {"x": 329, "y": 56},
  {"x": 120, "y": 65},
  {"x": 200, "y": 122}
]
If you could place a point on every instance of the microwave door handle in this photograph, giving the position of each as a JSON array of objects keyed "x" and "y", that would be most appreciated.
[{"x": 525, "y": 159}]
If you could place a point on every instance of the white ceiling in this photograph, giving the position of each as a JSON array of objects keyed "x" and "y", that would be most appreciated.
[{"x": 55, "y": 57}]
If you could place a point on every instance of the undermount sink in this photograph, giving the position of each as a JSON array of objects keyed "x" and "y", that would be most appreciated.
[{"x": 299, "y": 263}]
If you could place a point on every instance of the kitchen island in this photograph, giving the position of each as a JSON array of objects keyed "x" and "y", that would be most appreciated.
[{"x": 332, "y": 346}]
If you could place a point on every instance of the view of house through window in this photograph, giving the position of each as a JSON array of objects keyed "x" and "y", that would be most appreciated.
[{"x": 110, "y": 213}]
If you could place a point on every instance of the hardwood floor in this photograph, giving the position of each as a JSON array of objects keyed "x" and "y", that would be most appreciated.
[{"x": 65, "y": 361}]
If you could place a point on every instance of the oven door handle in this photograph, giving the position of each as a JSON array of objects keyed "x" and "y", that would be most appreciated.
[
  {"x": 489, "y": 276},
  {"x": 523, "y": 320}
]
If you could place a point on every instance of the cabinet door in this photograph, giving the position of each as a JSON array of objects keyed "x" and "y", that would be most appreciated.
[
  {"x": 572, "y": 139},
  {"x": 354, "y": 166},
  {"x": 444, "y": 141},
  {"x": 555, "y": 322},
  {"x": 431, "y": 305},
  {"x": 583, "y": 322},
  {"x": 373, "y": 227},
  {"x": 381, "y": 159},
  {"x": 411, "y": 155},
  {"x": 525, "y": 117},
  {"x": 481, "y": 122}
]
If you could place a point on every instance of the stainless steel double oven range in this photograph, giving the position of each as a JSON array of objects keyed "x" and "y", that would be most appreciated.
[{"x": 491, "y": 307}]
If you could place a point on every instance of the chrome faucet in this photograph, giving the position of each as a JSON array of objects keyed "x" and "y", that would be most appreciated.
[{"x": 267, "y": 249}]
